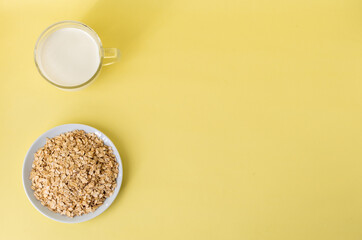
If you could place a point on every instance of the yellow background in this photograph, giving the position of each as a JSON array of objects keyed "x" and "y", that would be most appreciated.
[{"x": 235, "y": 119}]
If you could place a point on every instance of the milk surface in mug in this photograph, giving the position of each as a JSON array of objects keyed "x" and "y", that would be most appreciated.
[{"x": 69, "y": 57}]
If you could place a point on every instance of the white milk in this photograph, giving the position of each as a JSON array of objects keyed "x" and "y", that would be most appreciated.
[{"x": 69, "y": 57}]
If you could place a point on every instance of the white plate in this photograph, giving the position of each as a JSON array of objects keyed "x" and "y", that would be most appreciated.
[{"x": 29, "y": 158}]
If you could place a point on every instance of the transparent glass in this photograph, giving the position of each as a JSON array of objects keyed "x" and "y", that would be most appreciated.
[{"x": 108, "y": 56}]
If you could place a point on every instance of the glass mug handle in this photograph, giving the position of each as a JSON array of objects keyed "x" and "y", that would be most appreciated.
[{"x": 110, "y": 56}]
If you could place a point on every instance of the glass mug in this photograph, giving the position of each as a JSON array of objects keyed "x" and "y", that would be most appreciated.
[{"x": 70, "y": 55}]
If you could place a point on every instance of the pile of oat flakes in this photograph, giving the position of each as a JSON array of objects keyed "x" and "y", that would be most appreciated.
[{"x": 73, "y": 173}]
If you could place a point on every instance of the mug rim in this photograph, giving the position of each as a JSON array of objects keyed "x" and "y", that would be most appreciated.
[{"x": 100, "y": 46}]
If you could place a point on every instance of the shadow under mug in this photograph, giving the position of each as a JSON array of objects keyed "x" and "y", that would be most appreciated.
[{"x": 107, "y": 55}]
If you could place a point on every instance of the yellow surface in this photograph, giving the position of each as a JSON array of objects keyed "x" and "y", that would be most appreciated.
[{"x": 235, "y": 119}]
